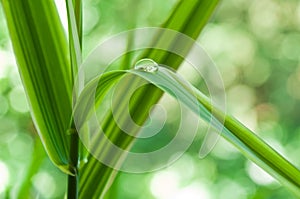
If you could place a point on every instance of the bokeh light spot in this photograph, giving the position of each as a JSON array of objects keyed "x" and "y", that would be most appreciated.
[
  {"x": 290, "y": 46},
  {"x": 3, "y": 105},
  {"x": 18, "y": 100},
  {"x": 194, "y": 191},
  {"x": 242, "y": 94},
  {"x": 258, "y": 175},
  {"x": 233, "y": 190},
  {"x": 225, "y": 150},
  {"x": 44, "y": 183},
  {"x": 258, "y": 73},
  {"x": 7, "y": 60},
  {"x": 292, "y": 85},
  {"x": 21, "y": 146},
  {"x": 4, "y": 176},
  {"x": 164, "y": 184},
  {"x": 264, "y": 22}
]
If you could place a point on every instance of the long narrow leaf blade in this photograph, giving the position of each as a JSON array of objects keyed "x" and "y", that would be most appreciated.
[
  {"x": 41, "y": 51},
  {"x": 235, "y": 132},
  {"x": 244, "y": 139}
]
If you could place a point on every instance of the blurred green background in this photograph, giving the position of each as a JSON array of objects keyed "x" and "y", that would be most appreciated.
[{"x": 255, "y": 45}]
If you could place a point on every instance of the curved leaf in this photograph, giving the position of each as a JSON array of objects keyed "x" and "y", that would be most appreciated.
[{"x": 244, "y": 139}]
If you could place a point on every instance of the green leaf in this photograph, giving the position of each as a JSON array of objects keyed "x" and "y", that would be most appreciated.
[
  {"x": 235, "y": 132},
  {"x": 188, "y": 17},
  {"x": 41, "y": 51},
  {"x": 75, "y": 32},
  {"x": 244, "y": 139}
]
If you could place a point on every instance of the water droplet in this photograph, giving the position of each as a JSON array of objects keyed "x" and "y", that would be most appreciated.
[
  {"x": 83, "y": 161},
  {"x": 147, "y": 65}
]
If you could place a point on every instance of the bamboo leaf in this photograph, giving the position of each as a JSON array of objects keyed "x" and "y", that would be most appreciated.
[
  {"x": 188, "y": 17},
  {"x": 41, "y": 51},
  {"x": 235, "y": 132},
  {"x": 75, "y": 32},
  {"x": 244, "y": 139}
]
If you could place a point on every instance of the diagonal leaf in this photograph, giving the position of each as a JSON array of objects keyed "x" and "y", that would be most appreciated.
[
  {"x": 188, "y": 17},
  {"x": 244, "y": 139},
  {"x": 235, "y": 132},
  {"x": 41, "y": 50}
]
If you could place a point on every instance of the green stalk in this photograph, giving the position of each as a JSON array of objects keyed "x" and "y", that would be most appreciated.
[
  {"x": 72, "y": 192},
  {"x": 74, "y": 10}
]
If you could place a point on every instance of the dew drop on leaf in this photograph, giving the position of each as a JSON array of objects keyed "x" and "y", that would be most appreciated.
[{"x": 147, "y": 65}]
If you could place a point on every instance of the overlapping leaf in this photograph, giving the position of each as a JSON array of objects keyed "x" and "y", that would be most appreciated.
[
  {"x": 189, "y": 18},
  {"x": 246, "y": 141}
]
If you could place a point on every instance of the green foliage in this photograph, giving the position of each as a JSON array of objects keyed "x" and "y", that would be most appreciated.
[
  {"x": 235, "y": 132},
  {"x": 48, "y": 74},
  {"x": 177, "y": 21}
]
